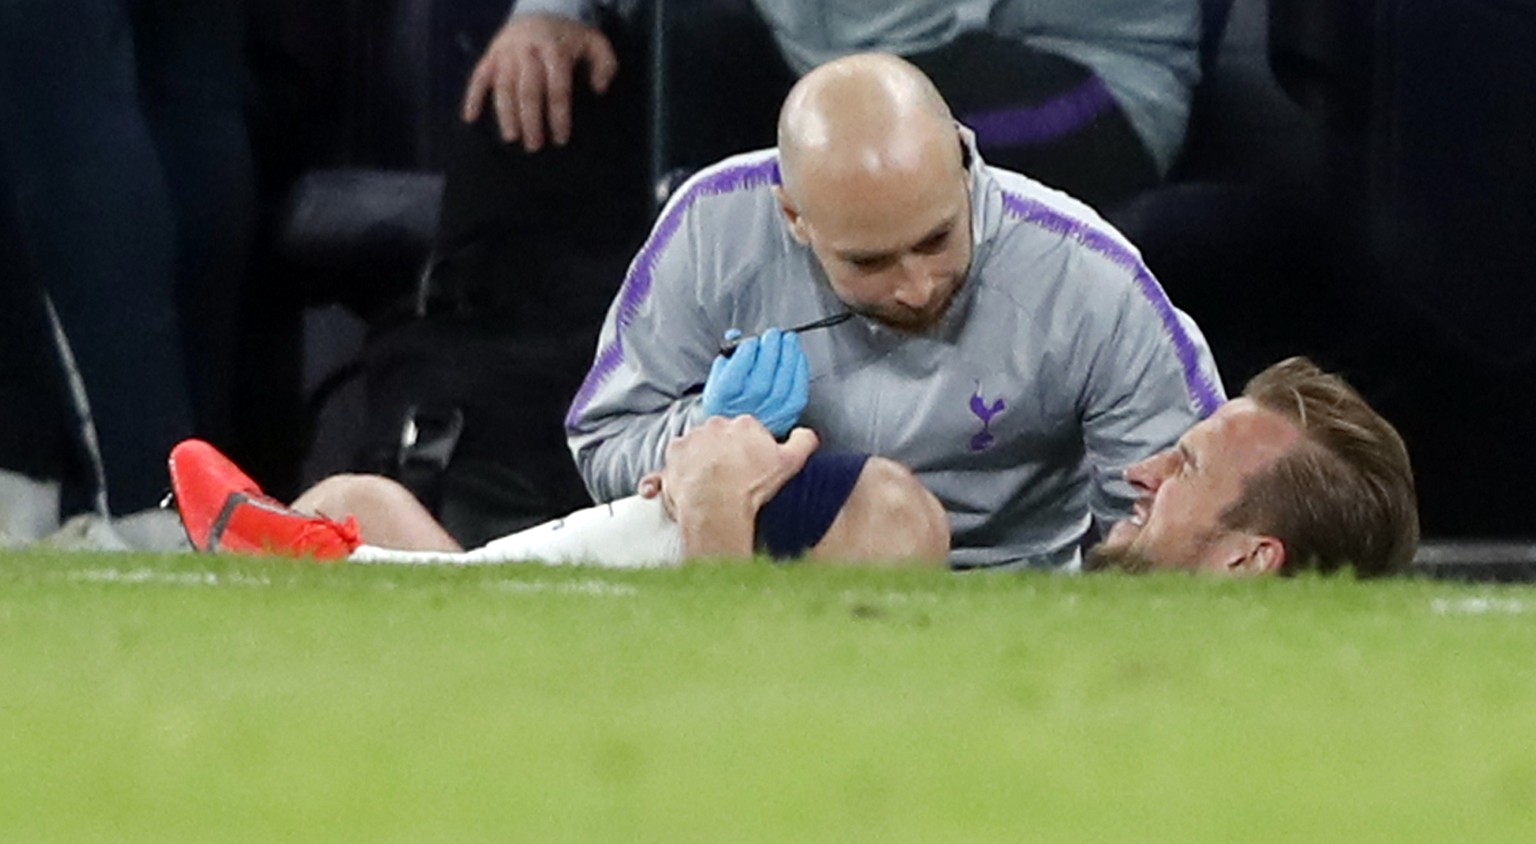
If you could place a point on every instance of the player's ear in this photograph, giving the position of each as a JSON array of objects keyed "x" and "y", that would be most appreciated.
[
  {"x": 1260, "y": 554},
  {"x": 792, "y": 216}
]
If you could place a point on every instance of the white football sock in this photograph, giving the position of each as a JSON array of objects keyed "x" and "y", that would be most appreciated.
[
  {"x": 632, "y": 532},
  {"x": 29, "y": 508}
]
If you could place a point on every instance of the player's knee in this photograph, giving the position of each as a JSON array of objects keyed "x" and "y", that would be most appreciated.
[
  {"x": 910, "y": 512},
  {"x": 890, "y": 516},
  {"x": 341, "y": 495}
]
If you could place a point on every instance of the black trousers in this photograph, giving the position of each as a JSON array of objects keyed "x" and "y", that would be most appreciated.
[{"x": 125, "y": 171}]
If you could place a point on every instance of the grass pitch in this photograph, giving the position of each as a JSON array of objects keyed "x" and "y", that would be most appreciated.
[{"x": 212, "y": 699}]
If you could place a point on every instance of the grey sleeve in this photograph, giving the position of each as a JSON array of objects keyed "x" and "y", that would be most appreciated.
[
  {"x": 657, "y": 342},
  {"x": 585, "y": 11},
  {"x": 1150, "y": 380}
]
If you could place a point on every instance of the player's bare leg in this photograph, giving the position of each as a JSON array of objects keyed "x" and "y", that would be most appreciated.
[
  {"x": 890, "y": 520},
  {"x": 387, "y": 514}
]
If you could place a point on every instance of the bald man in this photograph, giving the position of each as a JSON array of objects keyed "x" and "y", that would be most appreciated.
[{"x": 1009, "y": 346}]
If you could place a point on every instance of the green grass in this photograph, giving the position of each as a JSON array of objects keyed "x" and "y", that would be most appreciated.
[{"x": 207, "y": 699}]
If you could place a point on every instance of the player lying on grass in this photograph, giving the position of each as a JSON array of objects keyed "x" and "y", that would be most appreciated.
[
  {"x": 729, "y": 489},
  {"x": 1297, "y": 474}
]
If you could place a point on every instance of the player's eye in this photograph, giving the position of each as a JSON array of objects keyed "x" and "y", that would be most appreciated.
[
  {"x": 933, "y": 244},
  {"x": 872, "y": 263}
]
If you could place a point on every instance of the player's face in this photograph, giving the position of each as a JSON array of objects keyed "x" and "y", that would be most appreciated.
[
  {"x": 1176, "y": 523},
  {"x": 894, "y": 249}
]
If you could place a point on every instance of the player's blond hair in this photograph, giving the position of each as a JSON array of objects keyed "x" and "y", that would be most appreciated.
[{"x": 1344, "y": 495}]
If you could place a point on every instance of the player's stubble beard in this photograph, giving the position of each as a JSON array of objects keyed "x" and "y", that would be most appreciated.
[{"x": 1116, "y": 559}]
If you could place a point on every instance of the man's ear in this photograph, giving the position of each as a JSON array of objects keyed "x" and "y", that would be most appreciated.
[
  {"x": 1261, "y": 555},
  {"x": 792, "y": 216}
]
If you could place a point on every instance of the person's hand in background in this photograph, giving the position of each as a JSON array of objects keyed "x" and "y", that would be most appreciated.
[{"x": 528, "y": 73}]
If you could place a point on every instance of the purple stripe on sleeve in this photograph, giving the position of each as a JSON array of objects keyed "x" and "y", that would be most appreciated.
[
  {"x": 1204, "y": 393},
  {"x": 637, "y": 281},
  {"x": 1041, "y": 124}
]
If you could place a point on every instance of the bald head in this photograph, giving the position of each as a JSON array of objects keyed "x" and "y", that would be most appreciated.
[
  {"x": 873, "y": 182},
  {"x": 866, "y": 115}
]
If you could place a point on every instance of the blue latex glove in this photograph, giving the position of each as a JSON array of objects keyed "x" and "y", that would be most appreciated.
[{"x": 768, "y": 378}]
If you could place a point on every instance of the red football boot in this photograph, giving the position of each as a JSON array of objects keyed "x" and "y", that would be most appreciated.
[{"x": 222, "y": 509}]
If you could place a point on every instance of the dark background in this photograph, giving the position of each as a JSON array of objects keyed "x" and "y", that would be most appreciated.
[{"x": 1358, "y": 185}]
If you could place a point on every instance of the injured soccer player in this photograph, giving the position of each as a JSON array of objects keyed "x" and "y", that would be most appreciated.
[
  {"x": 728, "y": 490},
  {"x": 1299, "y": 474}
]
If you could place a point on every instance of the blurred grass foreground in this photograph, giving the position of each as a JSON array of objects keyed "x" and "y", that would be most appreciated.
[{"x": 198, "y": 698}]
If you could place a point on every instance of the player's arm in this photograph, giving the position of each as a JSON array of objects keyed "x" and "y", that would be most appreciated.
[{"x": 719, "y": 476}]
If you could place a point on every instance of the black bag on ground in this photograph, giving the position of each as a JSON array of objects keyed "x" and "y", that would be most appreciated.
[
  {"x": 468, "y": 414},
  {"x": 466, "y": 398}
]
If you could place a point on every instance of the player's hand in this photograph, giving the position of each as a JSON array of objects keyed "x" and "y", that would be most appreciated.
[
  {"x": 729, "y": 461},
  {"x": 768, "y": 378},
  {"x": 720, "y": 474},
  {"x": 528, "y": 71},
  {"x": 649, "y": 486}
]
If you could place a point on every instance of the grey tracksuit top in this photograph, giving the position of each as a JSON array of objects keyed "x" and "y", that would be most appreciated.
[
  {"x": 1059, "y": 363},
  {"x": 1145, "y": 51}
]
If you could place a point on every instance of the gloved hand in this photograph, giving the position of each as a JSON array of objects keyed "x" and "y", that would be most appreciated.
[{"x": 768, "y": 378}]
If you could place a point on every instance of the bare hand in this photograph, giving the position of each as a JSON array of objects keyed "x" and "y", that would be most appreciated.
[
  {"x": 528, "y": 70},
  {"x": 649, "y": 486},
  {"x": 729, "y": 462}
]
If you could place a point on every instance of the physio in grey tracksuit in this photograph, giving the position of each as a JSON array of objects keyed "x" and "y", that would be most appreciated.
[{"x": 1059, "y": 362}]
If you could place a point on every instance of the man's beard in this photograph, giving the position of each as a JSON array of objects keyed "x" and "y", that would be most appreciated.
[
  {"x": 1116, "y": 559},
  {"x": 910, "y": 324},
  {"x": 905, "y": 323}
]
